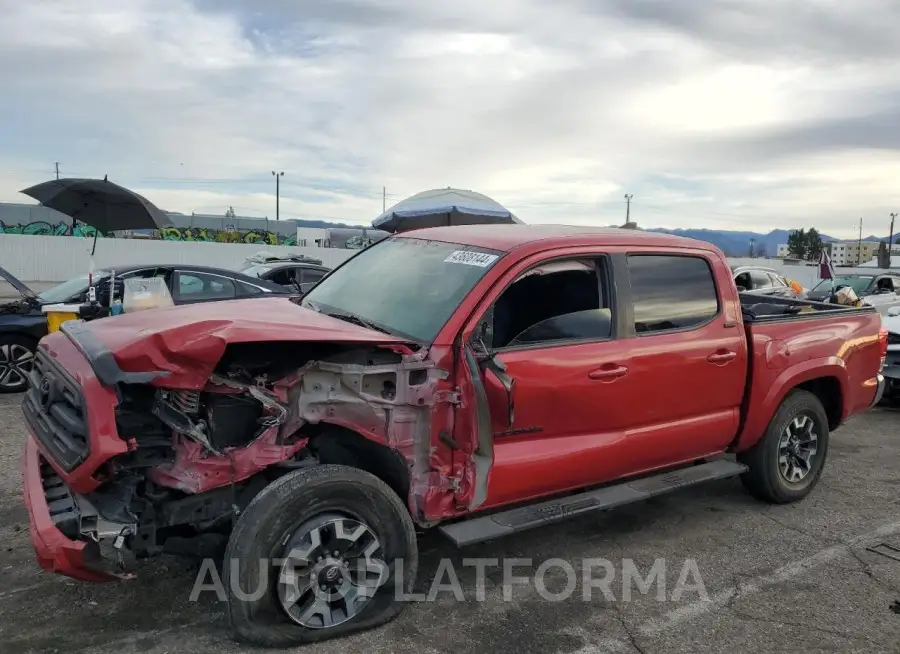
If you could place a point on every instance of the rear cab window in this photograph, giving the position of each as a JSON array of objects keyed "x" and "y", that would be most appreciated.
[{"x": 671, "y": 292}]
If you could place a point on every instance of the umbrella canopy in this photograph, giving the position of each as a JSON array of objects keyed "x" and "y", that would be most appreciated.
[
  {"x": 446, "y": 206},
  {"x": 99, "y": 203}
]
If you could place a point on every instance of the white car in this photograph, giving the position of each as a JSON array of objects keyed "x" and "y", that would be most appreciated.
[{"x": 891, "y": 372}]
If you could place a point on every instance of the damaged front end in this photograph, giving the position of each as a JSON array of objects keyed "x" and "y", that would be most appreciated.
[{"x": 194, "y": 459}]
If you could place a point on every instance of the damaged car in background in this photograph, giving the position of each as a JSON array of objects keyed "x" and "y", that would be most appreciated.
[{"x": 481, "y": 380}]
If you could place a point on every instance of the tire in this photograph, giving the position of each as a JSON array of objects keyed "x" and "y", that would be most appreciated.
[
  {"x": 13, "y": 367},
  {"x": 299, "y": 503},
  {"x": 765, "y": 479}
]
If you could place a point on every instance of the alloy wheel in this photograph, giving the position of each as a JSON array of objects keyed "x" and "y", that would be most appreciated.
[
  {"x": 15, "y": 364},
  {"x": 797, "y": 449}
]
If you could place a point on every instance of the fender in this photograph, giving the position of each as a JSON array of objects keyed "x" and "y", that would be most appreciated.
[{"x": 768, "y": 394}]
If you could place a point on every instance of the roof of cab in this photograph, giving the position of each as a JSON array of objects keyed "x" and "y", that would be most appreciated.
[{"x": 508, "y": 237}]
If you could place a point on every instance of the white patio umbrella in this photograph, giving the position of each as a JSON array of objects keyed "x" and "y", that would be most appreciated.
[{"x": 445, "y": 206}]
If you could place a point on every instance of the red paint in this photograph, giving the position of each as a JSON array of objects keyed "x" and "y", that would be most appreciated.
[
  {"x": 586, "y": 413},
  {"x": 195, "y": 471},
  {"x": 55, "y": 552}
]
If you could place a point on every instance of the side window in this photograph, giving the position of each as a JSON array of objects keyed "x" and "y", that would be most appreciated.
[
  {"x": 885, "y": 284},
  {"x": 671, "y": 292},
  {"x": 309, "y": 275},
  {"x": 760, "y": 279},
  {"x": 743, "y": 280},
  {"x": 777, "y": 282},
  {"x": 556, "y": 301},
  {"x": 283, "y": 276},
  {"x": 199, "y": 286},
  {"x": 247, "y": 289}
]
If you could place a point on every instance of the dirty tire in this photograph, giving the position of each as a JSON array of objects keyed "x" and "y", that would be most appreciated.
[
  {"x": 269, "y": 522},
  {"x": 12, "y": 348},
  {"x": 764, "y": 479}
]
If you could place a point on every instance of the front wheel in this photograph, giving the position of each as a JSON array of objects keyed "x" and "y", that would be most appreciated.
[
  {"x": 319, "y": 553},
  {"x": 785, "y": 465},
  {"x": 16, "y": 360}
]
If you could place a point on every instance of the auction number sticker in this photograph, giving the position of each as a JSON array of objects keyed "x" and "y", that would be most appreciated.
[{"x": 468, "y": 258}]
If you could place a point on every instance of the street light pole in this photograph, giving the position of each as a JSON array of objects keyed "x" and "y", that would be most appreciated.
[
  {"x": 278, "y": 177},
  {"x": 628, "y": 197},
  {"x": 891, "y": 238}
]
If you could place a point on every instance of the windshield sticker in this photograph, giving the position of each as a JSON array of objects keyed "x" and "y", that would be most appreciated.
[{"x": 468, "y": 258}]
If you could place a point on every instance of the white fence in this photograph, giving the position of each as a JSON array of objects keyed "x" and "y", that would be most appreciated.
[{"x": 57, "y": 258}]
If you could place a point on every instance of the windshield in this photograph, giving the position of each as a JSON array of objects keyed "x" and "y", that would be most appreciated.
[
  {"x": 408, "y": 287},
  {"x": 67, "y": 290},
  {"x": 857, "y": 283},
  {"x": 256, "y": 271}
]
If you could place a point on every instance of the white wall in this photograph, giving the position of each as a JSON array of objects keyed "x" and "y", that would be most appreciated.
[{"x": 57, "y": 258}]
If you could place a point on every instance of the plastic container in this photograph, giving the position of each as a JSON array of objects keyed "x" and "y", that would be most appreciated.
[{"x": 57, "y": 314}]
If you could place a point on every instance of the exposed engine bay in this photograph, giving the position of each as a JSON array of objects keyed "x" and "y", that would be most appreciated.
[{"x": 195, "y": 459}]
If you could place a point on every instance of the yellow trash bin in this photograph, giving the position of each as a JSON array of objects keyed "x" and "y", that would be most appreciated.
[{"x": 57, "y": 314}]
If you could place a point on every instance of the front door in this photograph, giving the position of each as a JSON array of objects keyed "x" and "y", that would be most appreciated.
[{"x": 555, "y": 379}]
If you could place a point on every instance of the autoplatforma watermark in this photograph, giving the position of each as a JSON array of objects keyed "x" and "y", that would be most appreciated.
[{"x": 554, "y": 580}]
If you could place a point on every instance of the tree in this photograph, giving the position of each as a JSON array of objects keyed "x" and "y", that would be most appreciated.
[
  {"x": 797, "y": 244},
  {"x": 805, "y": 245},
  {"x": 814, "y": 244}
]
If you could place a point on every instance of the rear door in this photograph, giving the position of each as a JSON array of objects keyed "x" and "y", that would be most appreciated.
[{"x": 687, "y": 357}]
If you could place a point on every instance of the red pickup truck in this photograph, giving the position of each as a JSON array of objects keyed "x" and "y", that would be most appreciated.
[{"x": 479, "y": 380}]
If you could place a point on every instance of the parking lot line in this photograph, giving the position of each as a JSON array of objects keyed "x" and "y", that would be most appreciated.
[{"x": 699, "y": 608}]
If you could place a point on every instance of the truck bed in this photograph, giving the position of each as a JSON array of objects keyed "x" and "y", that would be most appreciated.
[{"x": 768, "y": 309}]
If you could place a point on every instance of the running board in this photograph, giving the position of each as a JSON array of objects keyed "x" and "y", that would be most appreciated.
[{"x": 477, "y": 530}]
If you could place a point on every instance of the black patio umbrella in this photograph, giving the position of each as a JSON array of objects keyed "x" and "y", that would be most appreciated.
[{"x": 102, "y": 204}]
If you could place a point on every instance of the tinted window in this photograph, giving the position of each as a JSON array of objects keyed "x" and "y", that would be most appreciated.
[
  {"x": 671, "y": 292},
  {"x": 283, "y": 276},
  {"x": 199, "y": 286}
]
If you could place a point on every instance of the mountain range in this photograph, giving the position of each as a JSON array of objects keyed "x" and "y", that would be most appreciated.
[{"x": 732, "y": 243}]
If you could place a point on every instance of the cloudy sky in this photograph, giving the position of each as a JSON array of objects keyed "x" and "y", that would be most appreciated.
[{"x": 730, "y": 114}]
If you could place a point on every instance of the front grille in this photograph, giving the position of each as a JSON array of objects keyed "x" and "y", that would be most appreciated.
[
  {"x": 893, "y": 339},
  {"x": 54, "y": 408},
  {"x": 60, "y": 501}
]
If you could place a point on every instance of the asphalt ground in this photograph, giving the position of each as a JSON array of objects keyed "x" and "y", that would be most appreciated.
[{"x": 793, "y": 578}]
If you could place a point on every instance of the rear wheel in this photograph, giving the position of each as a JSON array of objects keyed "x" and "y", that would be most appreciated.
[
  {"x": 785, "y": 465},
  {"x": 16, "y": 360},
  {"x": 319, "y": 553}
]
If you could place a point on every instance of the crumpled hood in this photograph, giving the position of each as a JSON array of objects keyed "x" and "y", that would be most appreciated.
[{"x": 188, "y": 341}]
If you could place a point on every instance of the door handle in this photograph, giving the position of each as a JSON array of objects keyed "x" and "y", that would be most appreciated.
[
  {"x": 608, "y": 373},
  {"x": 721, "y": 357}
]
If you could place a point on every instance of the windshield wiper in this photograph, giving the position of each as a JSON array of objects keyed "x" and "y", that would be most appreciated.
[{"x": 353, "y": 318}]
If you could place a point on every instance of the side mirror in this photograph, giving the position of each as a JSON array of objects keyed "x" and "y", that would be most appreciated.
[{"x": 742, "y": 289}]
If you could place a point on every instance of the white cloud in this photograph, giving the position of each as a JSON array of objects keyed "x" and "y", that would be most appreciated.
[{"x": 556, "y": 109}]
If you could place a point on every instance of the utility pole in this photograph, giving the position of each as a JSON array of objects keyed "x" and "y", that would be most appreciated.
[
  {"x": 891, "y": 239},
  {"x": 278, "y": 177},
  {"x": 859, "y": 245},
  {"x": 383, "y": 199},
  {"x": 57, "y": 170},
  {"x": 752, "y": 245},
  {"x": 628, "y": 197}
]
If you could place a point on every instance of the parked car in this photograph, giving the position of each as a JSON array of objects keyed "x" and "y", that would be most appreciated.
[
  {"x": 891, "y": 323},
  {"x": 877, "y": 289},
  {"x": 760, "y": 280},
  {"x": 480, "y": 380},
  {"x": 22, "y": 322},
  {"x": 294, "y": 275}
]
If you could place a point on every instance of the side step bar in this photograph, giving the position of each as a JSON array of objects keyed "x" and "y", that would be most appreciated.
[{"x": 504, "y": 523}]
